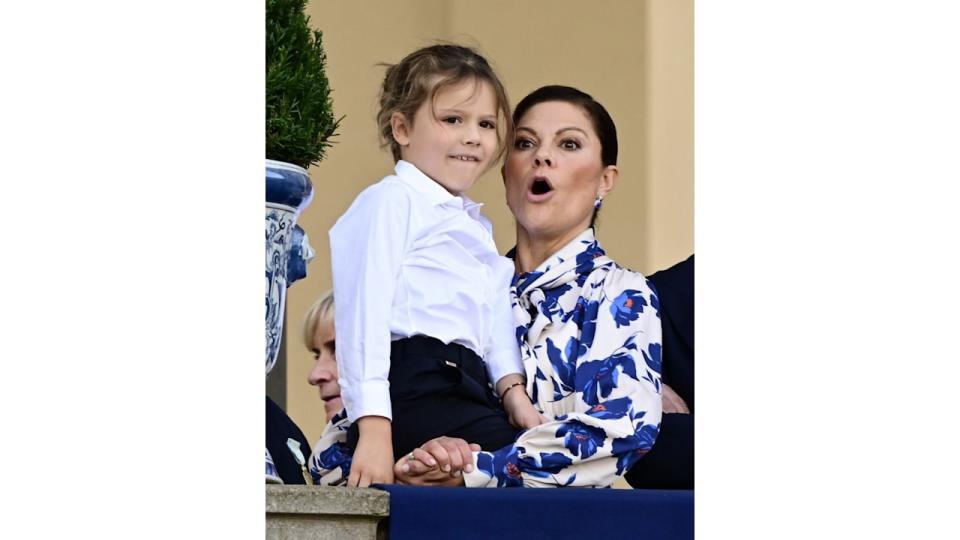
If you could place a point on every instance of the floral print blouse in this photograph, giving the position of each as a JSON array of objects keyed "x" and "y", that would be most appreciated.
[{"x": 589, "y": 337}]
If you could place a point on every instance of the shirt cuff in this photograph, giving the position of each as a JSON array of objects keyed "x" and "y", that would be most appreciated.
[
  {"x": 374, "y": 401},
  {"x": 503, "y": 364}
]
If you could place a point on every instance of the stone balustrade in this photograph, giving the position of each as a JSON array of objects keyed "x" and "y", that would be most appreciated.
[{"x": 323, "y": 513}]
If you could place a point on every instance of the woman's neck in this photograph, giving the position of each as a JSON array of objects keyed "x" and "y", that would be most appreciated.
[{"x": 533, "y": 250}]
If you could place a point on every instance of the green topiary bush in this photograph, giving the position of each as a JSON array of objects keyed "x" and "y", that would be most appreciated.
[{"x": 300, "y": 120}]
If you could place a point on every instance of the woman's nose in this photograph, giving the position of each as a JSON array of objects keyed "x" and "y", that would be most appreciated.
[
  {"x": 319, "y": 374},
  {"x": 543, "y": 157}
]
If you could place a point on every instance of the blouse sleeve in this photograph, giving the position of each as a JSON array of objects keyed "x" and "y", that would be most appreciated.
[{"x": 617, "y": 409}]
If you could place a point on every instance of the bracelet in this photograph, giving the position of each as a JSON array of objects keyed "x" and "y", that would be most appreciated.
[{"x": 504, "y": 394}]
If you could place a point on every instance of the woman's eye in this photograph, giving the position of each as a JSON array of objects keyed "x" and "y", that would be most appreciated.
[
  {"x": 523, "y": 144},
  {"x": 570, "y": 144},
  {"x": 488, "y": 125}
]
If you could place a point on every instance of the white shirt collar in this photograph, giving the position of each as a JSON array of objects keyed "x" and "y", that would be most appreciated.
[{"x": 434, "y": 192}]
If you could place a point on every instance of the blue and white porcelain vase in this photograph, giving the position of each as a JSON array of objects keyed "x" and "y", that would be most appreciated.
[
  {"x": 273, "y": 477},
  {"x": 289, "y": 191}
]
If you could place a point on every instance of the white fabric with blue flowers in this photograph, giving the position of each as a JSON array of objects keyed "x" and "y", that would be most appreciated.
[
  {"x": 331, "y": 459},
  {"x": 589, "y": 337}
]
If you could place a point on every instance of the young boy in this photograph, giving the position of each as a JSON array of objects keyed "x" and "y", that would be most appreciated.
[{"x": 423, "y": 319}]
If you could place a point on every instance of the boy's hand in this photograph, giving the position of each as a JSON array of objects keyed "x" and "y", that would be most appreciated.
[
  {"x": 521, "y": 411},
  {"x": 373, "y": 459}
]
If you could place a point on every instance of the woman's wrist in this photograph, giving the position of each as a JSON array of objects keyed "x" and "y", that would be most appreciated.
[
  {"x": 507, "y": 381},
  {"x": 518, "y": 384}
]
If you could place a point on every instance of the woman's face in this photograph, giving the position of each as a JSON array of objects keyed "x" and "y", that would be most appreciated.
[
  {"x": 324, "y": 373},
  {"x": 553, "y": 172}
]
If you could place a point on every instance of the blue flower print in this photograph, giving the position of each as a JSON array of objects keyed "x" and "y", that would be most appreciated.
[
  {"x": 551, "y": 463},
  {"x": 629, "y": 450},
  {"x": 584, "y": 315},
  {"x": 550, "y": 306},
  {"x": 585, "y": 258},
  {"x": 502, "y": 465},
  {"x": 538, "y": 376},
  {"x": 654, "y": 299},
  {"x": 338, "y": 455},
  {"x": 614, "y": 408},
  {"x": 627, "y": 307},
  {"x": 338, "y": 418},
  {"x": 524, "y": 280},
  {"x": 599, "y": 377},
  {"x": 653, "y": 359},
  {"x": 564, "y": 369},
  {"x": 653, "y": 364},
  {"x": 521, "y": 332},
  {"x": 648, "y": 435},
  {"x": 580, "y": 439}
]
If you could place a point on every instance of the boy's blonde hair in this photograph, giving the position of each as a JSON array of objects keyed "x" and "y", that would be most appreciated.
[
  {"x": 320, "y": 312},
  {"x": 407, "y": 85}
]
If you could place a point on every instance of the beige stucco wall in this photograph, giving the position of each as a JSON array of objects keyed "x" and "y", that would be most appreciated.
[{"x": 635, "y": 57}]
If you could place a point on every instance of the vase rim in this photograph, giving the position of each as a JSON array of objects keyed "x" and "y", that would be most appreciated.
[{"x": 284, "y": 165}]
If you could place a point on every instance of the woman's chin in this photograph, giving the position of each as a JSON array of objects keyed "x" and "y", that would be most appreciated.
[{"x": 332, "y": 407}]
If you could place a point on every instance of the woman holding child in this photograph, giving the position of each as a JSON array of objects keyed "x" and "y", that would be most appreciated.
[{"x": 588, "y": 330}]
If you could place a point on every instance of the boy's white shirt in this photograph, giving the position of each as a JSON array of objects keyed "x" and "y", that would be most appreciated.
[{"x": 409, "y": 258}]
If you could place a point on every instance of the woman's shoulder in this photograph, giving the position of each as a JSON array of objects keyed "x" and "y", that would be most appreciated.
[{"x": 615, "y": 278}]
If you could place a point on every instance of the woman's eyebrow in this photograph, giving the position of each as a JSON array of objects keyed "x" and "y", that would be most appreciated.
[{"x": 561, "y": 130}]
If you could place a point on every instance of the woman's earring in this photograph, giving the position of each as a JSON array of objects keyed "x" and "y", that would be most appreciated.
[{"x": 598, "y": 202}]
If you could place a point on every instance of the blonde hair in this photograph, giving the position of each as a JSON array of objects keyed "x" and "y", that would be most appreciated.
[
  {"x": 407, "y": 85},
  {"x": 320, "y": 312}
]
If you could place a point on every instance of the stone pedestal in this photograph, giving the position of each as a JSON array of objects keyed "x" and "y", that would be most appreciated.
[{"x": 325, "y": 513}]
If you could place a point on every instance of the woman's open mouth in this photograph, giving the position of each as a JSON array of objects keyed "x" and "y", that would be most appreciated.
[{"x": 540, "y": 187}]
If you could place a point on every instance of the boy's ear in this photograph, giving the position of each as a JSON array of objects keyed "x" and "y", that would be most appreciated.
[{"x": 401, "y": 131}]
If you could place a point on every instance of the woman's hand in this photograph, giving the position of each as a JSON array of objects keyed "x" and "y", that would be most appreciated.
[
  {"x": 437, "y": 463},
  {"x": 416, "y": 473},
  {"x": 371, "y": 461},
  {"x": 520, "y": 410},
  {"x": 672, "y": 402}
]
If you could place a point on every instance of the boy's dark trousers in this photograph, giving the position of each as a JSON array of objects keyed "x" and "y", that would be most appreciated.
[{"x": 439, "y": 389}]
